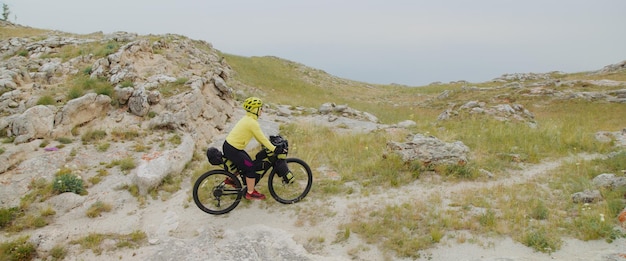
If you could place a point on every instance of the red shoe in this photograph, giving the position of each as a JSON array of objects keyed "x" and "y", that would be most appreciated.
[
  {"x": 254, "y": 195},
  {"x": 229, "y": 182}
]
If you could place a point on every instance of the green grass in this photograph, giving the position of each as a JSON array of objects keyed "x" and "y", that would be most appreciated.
[
  {"x": 93, "y": 241},
  {"x": 93, "y": 135},
  {"x": 538, "y": 213},
  {"x": 170, "y": 89},
  {"x": 46, "y": 100},
  {"x": 125, "y": 164},
  {"x": 18, "y": 249},
  {"x": 97, "y": 208}
]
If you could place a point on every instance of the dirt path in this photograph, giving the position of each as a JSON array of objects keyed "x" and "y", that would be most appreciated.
[{"x": 194, "y": 230}]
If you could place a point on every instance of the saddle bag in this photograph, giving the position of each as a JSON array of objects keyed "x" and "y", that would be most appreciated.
[{"x": 215, "y": 156}]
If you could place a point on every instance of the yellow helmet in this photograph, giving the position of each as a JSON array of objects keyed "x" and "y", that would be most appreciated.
[{"x": 252, "y": 104}]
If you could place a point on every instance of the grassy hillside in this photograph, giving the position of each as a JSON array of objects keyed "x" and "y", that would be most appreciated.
[
  {"x": 565, "y": 127},
  {"x": 538, "y": 213}
]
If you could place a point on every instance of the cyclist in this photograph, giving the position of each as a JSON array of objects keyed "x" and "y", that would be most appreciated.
[{"x": 234, "y": 146}]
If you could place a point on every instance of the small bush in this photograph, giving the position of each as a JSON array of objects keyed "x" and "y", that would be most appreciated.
[
  {"x": 68, "y": 183},
  {"x": 540, "y": 211},
  {"x": 46, "y": 100},
  {"x": 176, "y": 140},
  {"x": 91, "y": 241},
  {"x": 87, "y": 71},
  {"x": 487, "y": 219},
  {"x": 74, "y": 93},
  {"x": 7, "y": 215},
  {"x": 8, "y": 139},
  {"x": 58, "y": 253},
  {"x": 127, "y": 83},
  {"x": 103, "y": 146},
  {"x": 93, "y": 136},
  {"x": 540, "y": 240},
  {"x": 118, "y": 135},
  {"x": 23, "y": 53},
  {"x": 64, "y": 140},
  {"x": 19, "y": 249},
  {"x": 44, "y": 143},
  {"x": 1, "y": 150},
  {"x": 97, "y": 208},
  {"x": 127, "y": 163},
  {"x": 105, "y": 90},
  {"x": 47, "y": 212}
]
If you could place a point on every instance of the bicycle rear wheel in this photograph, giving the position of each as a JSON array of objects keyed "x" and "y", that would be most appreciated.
[
  {"x": 213, "y": 195},
  {"x": 289, "y": 193}
]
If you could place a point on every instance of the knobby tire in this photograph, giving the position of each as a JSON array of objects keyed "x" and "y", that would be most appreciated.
[
  {"x": 213, "y": 196},
  {"x": 293, "y": 192}
]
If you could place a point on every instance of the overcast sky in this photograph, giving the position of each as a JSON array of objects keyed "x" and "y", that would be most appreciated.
[{"x": 410, "y": 42}]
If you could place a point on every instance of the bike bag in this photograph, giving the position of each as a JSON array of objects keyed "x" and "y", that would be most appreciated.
[{"x": 215, "y": 156}]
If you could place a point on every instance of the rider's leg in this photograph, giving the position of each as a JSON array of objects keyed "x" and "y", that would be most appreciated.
[{"x": 245, "y": 164}]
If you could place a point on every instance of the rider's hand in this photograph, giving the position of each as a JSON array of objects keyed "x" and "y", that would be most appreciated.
[{"x": 280, "y": 150}]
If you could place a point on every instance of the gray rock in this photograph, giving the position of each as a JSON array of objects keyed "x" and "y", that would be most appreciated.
[
  {"x": 587, "y": 196},
  {"x": 150, "y": 173},
  {"x": 80, "y": 111},
  {"x": 431, "y": 150},
  {"x": 36, "y": 122}
]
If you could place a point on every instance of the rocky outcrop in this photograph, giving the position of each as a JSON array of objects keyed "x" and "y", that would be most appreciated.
[
  {"x": 151, "y": 172},
  {"x": 501, "y": 112},
  {"x": 80, "y": 111},
  {"x": 345, "y": 111},
  {"x": 430, "y": 150}
]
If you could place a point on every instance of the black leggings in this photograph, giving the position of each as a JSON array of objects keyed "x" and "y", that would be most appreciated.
[{"x": 241, "y": 159}]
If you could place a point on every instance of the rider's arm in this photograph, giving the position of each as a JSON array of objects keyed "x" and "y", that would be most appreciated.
[{"x": 260, "y": 136}]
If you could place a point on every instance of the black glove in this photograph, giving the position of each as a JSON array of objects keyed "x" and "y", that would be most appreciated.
[{"x": 280, "y": 150}]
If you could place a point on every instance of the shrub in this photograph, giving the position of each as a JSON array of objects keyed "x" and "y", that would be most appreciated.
[
  {"x": 19, "y": 249},
  {"x": 105, "y": 90},
  {"x": 44, "y": 143},
  {"x": 23, "y": 53},
  {"x": 97, "y": 208},
  {"x": 127, "y": 83},
  {"x": 46, "y": 100},
  {"x": 127, "y": 163},
  {"x": 58, "y": 253},
  {"x": 64, "y": 140},
  {"x": 68, "y": 183},
  {"x": 93, "y": 135},
  {"x": 540, "y": 211},
  {"x": 176, "y": 140},
  {"x": 103, "y": 146},
  {"x": 74, "y": 93},
  {"x": 7, "y": 215},
  {"x": 87, "y": 71},
  {"x": 539, "y": 240}
]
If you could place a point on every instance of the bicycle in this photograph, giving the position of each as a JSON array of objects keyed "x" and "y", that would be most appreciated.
[{"x": 219, "y": 191}]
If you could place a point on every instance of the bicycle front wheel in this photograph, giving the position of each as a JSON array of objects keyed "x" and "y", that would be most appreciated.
[
  {"x": 289, "y": 193},
  {"x": 217, "y": 192}
]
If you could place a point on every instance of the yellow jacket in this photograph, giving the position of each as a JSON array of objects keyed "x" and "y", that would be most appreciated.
[{"x": 247, "y": 128}]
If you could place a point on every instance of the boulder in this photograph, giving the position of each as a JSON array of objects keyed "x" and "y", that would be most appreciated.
[
  {"x": 80, "y": 111},
  {"x": 587, "y": 196},
  {"x": 430, "y": 150},
  {"x": 151, "y": 172},
  {"x": 36, "y": 122}
]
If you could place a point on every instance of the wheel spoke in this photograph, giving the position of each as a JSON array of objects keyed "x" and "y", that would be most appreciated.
[
  {"x": 212, "y": 195},
  {"x": 296, "y": 190}
]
